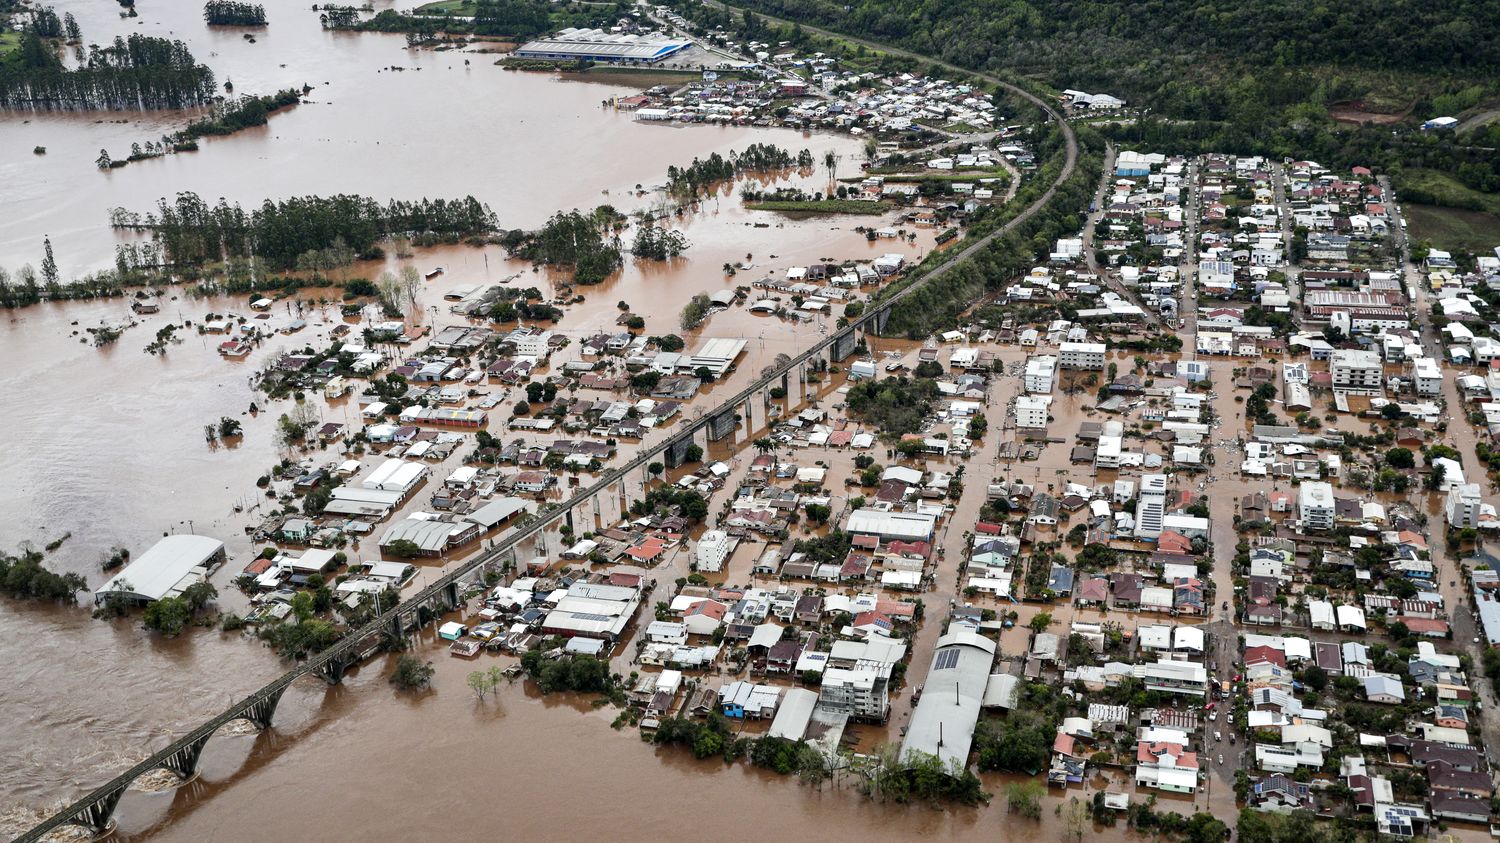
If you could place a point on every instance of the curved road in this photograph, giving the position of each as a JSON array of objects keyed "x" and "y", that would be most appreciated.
[{"x": 345, "y": 650}]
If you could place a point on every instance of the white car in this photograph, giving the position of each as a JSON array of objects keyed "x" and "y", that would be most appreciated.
[
  {"x": 1217, "y": 736},
  {"x": 1221, "y": 760}
]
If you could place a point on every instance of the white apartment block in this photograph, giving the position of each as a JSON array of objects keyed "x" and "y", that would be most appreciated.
[
  {"x": 1107, "y": 451},
  {"x": 1315, "y": 506},
  {"x": 1357, "y": 370},
  {"x": 713, "y": 551},
  {"x": 1463, "y": 505},
  {"x": 1427, "y": 376},
  {"x": 1040, "y": 371},
  {"x": 1031, "y": 411},
  {"x": 1151, "y": 506},
  {"x": 1081, "y": 355},
  {"x": 860, "y": 692}
]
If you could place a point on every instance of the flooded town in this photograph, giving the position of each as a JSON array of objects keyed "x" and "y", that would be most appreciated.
[{"x": 622, "y": 407}]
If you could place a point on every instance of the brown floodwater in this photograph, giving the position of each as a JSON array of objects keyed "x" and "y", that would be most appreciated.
[
  {"x": 361, "y": 759},
  {"x": 106, "y": 445}
]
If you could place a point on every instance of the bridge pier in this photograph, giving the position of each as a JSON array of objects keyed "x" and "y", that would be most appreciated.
[
  {"x": 676, "y": 452},
  {"x": 842, "y": 346},
  {"x": 184, "y": 762},
  {"x": 451, "y": 593},
  {"x": 748, "y": 411},
  {"x": 720, "y": 426},
  {"x": 96, "y": 816},
  {"x": 262, "y": 710},
  {"x": 882, "y": 316},
  {"x": 333, "y": 670}
]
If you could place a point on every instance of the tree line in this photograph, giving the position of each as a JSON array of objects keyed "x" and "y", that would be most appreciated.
[
  {"x": 190, "y": 232},
  {"x": 24, "y": 577},
  {"x": 1058, "y": 36},
  {"x": 46, "y": 24},
  {"x": 588, "y": 243},
  {"x": 231, "y": 13},
  {"x": 135, "y": 73},
  {"x": 226, "y": 118},
  {"x": 243, "y": 113},
  {"x": 757, "y": 158}
]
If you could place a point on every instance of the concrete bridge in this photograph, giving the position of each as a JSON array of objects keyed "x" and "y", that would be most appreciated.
[{"x": 743, "y": 414}]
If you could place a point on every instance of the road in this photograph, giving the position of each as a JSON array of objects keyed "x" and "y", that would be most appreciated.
[{"x": 1108, "y": 277}]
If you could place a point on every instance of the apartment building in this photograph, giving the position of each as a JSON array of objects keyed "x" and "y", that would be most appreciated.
[
  {"x": 1081, "y": 355},
  {"x": 1040, "y": 373},
  {"x": 1357, "y": 370},
  {"x": 1315, "y": 506}
]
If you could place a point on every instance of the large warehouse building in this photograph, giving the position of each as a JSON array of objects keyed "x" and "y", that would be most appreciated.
[
  {"x": 166, "y": 570},
  {"x": 943, "y": 723},
  {"x": 598, "y": 45}
]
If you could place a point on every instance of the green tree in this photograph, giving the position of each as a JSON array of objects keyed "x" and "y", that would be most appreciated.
[
  {"x": 480, "y": 683},
  {"x": 694, "y": 312},
  {"x": 404, "y": 549},
  {"x": 1024, "y": 798},
  {"x": 199, "y": 595},
  {"x": 411, "y": 672},
  {"x": 49, "y": 263},
  {"x": 168, "y": 616}
]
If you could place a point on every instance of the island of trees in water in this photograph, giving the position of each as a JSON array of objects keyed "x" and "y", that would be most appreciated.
[
  {"x": 696, "y": 177},
  {"x": 589, "y": 243},
  {"x": 231, "y": 13},
  {"x": 139, "y": 72},
  {"x": 190, "y": 232}
]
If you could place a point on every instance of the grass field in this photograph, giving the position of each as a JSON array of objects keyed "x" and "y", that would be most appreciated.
[
  {"x": 821, "y": 206},
  {"x": 10, "y": 40},
  {"x": 1454, "y": 229},
  {"x": 1433, "y": 187},
  {"x": 448, "y": 7}
]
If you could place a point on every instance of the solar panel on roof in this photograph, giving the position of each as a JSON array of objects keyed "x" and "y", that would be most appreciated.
[{"x": 946, "y": 660}]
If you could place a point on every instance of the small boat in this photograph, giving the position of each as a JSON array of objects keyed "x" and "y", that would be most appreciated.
[
  {"x": 468, "y": 648},
  {"x": 436, "y": 271}
]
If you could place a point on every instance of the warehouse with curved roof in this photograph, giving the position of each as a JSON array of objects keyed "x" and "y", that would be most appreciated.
[
  {"x": 596, "y": 45},
  {"x": 166, "y": 570}
]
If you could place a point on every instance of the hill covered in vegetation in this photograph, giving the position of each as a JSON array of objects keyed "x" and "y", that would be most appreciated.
[{"x": 1173, "y": 53}]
